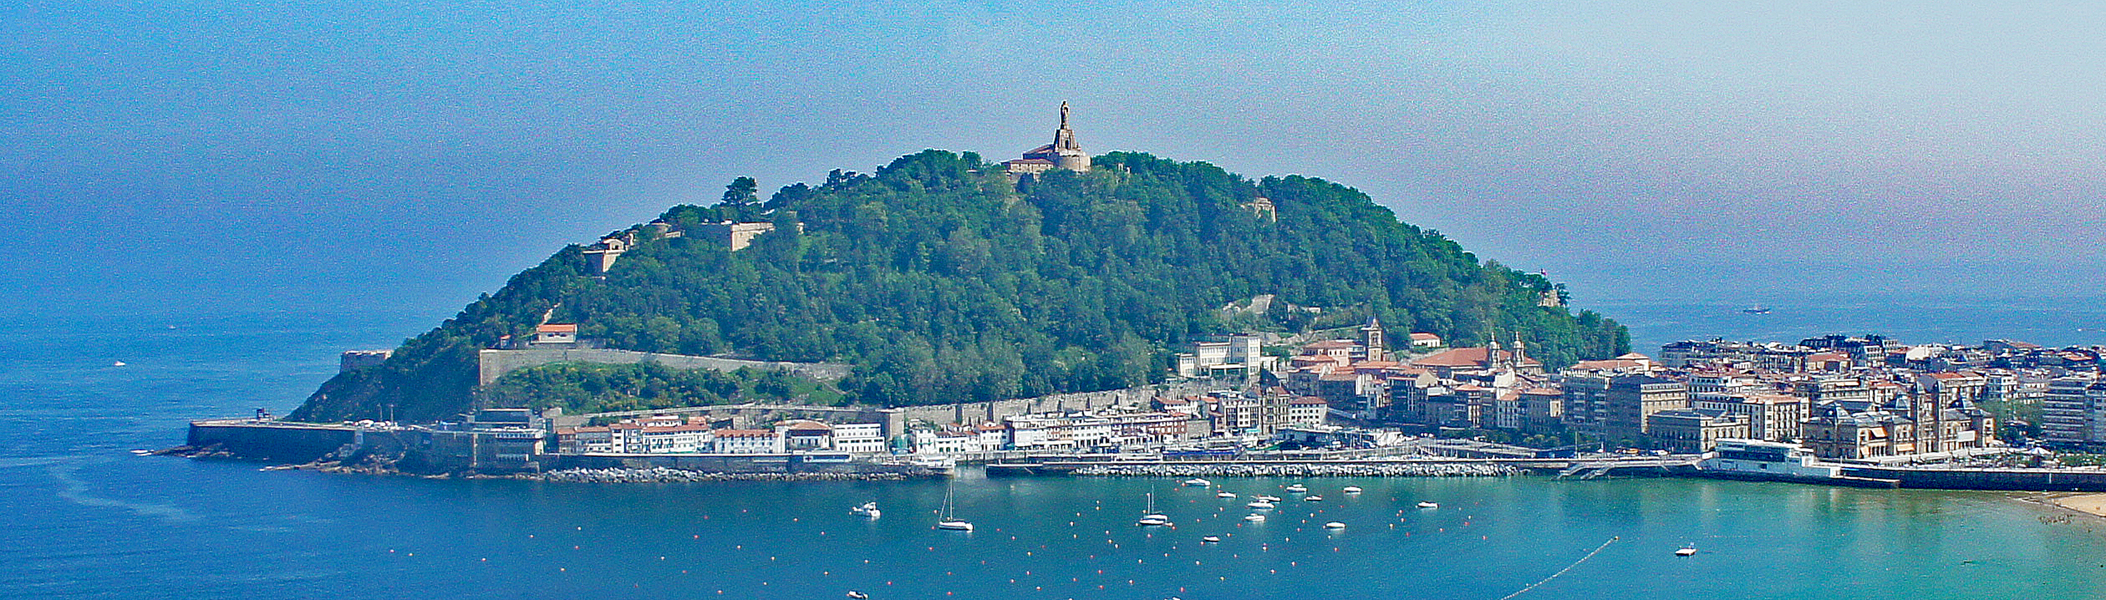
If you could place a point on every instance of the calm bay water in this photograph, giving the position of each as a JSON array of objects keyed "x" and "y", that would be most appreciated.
[{"x": 87, "y": 519}]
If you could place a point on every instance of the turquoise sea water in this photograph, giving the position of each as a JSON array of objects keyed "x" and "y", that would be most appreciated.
[{"x": 88, "y": 520}]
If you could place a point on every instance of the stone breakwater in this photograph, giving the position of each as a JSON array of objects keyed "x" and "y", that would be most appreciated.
[
  {"x": 666, "y": 475},
  {"x": 1402, "y": 469}
]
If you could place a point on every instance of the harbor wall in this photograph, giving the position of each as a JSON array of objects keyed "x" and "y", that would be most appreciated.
[
  {"x": 2035, "y": 480},
  {"x": 271, "y": 440}
]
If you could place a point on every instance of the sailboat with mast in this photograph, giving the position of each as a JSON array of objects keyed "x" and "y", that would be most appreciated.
[
  {"x": 1152, "y": 518},
  {"x": 948, "y": 518}
]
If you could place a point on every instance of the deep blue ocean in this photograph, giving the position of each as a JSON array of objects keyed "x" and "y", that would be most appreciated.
[{"x": 86, "y": 519}]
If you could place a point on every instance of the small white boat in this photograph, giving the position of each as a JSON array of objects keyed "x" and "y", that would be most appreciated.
[
  {"x": 1686, "y": 551},
  {"x": 117, "y": 364},
  {"x": 1312, "y": 498},
  {"x": 1429, "y": 505},
  {"x": 1197, "y": 482},
  {"x": 1297, "y": 488},
  {"x": 1254, "y": 517},
  {"x": 858, "y": 595},
  {"x": 1261, "y": 504},
  {"x": 1334, "y": 525},
  {"x": 1212, "y": 539},
  {"x": 1225, "y": 494},
  {"x": 1351, "y": 489},
  {"x": 141, "y": 452},
  {"x": 867, "y": 510},
  {"x": 1269, "y": 498}
]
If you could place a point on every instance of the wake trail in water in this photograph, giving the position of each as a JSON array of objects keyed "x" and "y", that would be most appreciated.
[
  {"x": 74, "y": 489},
  {"x": 1597, "y": 550}
]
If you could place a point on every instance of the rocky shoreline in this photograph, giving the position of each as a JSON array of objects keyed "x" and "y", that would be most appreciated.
[{"x": 1301, "y": 470}]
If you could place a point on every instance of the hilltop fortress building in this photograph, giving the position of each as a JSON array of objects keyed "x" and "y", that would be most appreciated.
[{"x": 1063, "y": 153}]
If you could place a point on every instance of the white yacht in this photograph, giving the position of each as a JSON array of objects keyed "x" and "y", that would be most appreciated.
[
  {"x": 1424, "y": 504},
  {"x": 1764, "y": 460},
  {"x": 1197, "y": 482},
  {"x": 1254, "y": 517},
  {"x": 1312, "y": 498},
  {"x": 1351, "y": 489},
  {"x": 1225, "y": 494},
  {"x": 1268, "y": 498},
  {"x": 1689, "y": 550},
  {"x": 1261, "y": 504},
  {"x": 1212, "y": 539},
  {"x": 1297, "y": 488},
  {"x": 948, "y": 518},
  {"x": 1334, "y": 525}
]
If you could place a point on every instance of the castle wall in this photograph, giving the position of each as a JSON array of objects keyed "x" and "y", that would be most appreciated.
[{"x": 493, "y": 364}]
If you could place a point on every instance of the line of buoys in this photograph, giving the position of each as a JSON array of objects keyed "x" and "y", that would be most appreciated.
[{"x": 1397, "y": 469}]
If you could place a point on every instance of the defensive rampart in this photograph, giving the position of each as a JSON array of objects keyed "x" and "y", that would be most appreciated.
[{"x": 492, "y": 364}]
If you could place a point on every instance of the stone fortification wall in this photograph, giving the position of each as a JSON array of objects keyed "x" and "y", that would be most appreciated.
[
  {"x": 744, "y": 416},
  {"x": 993, "y": 412},
  {"x": 493, "y": 364}
]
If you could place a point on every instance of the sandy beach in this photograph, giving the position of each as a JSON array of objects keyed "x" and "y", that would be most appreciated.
[{"x": 2092, "y": 504}]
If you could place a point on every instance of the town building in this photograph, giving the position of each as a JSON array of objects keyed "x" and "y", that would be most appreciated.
[
  {"x": 2073, "y": 411},
  {"x": 555, "y": 335},
  {"x": 859, "y": 438},
  {"x": 1631, "y": 399},
  {"x": 805, "y": 435},
  {"x": 1771, "y": 416},
  {"x": 1308, "y": 411},
  {"x": 1238, "y": 358},
  {"x": 746, "y": 441},
  {"x": 1694, "y": 431}
]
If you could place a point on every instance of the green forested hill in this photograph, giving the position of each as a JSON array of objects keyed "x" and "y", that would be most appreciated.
[{"x": 942, "y": 280}]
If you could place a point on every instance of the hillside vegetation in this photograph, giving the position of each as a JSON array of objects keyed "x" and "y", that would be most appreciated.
[{"x": 943, "y": 280}]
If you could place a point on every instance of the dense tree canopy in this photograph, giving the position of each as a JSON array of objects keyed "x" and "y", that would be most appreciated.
[{"x": 942, "y": 280}]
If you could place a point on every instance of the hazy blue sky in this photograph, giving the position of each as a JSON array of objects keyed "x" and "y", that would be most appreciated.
[{"x": 310, "y": 152}]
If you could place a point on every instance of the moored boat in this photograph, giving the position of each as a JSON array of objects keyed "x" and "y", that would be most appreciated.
[
  {"x": 948, "y": 519},
  {"x": 867, "y": 510}
]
